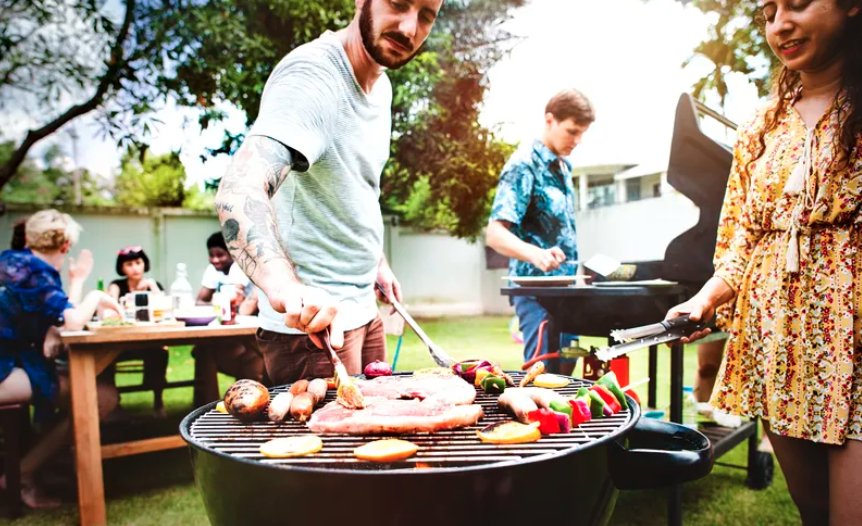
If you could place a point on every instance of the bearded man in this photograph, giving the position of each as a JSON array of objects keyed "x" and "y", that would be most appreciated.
[{"x": 299, "y": 204}]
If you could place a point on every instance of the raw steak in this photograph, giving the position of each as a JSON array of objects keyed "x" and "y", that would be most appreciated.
[
  {"x": 451, "y": 389},
  {"x": 383, "y": 415}
]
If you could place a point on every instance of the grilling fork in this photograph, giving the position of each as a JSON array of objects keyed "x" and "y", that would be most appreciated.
[{"x": 347, "y": 393}]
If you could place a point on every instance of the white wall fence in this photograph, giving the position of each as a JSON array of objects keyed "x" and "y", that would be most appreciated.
[{"x": 440, "y": 275}]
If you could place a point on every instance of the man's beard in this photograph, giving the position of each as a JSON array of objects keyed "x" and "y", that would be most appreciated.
[{"x": 366, "y": 29}]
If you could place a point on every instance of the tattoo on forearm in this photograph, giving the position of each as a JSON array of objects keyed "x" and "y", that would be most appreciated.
[
  {"x": 248, "y": 221},
  {"x": 223, "y": 206},
  {"x": 230, "y": 229}
]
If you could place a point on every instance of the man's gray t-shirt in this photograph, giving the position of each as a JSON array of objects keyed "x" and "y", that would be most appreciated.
[{"x": 328, "y": 217}]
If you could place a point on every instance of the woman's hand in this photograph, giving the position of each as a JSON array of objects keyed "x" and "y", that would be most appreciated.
[
  {"x": 697, "y": 309},
  {"x": 701, "y": 307},
  {"x": 148, "y": 284},
  {"x": 107, "y": 307},
  {"x": 80, "y": 267}
]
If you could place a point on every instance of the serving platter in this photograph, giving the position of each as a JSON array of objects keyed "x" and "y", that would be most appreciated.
[
  {"x": 138, "y": 326},
  {"x": 546, "y": 281},
  {"x": 639, "y": 283}
]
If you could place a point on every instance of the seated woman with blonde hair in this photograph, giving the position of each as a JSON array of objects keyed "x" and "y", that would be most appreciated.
[{"x": 32, "y": 301}]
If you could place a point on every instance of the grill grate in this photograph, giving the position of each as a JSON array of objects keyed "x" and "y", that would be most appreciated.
[{"x": 455, "y": 448}]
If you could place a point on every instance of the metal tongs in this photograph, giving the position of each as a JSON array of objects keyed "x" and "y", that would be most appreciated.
[
  {"x": 647, "y": 335},
  {"x": 437, "y": 354}
]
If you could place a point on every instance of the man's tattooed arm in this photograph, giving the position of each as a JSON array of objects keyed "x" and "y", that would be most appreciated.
[{"x": 246, "y": 213}]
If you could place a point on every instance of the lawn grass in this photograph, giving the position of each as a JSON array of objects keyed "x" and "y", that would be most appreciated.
[{"x": 158, "y": 488}]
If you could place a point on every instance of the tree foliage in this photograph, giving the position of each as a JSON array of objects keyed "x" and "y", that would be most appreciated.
[
  {"x": 226, "y": 50},
  {"x": 735, "y": 43},
  {"x": 203, "y": 53},
  {"x": 50, "y": 181},
  {"x": 147, "y": 181},
  {"x": 444, "y": 165}
]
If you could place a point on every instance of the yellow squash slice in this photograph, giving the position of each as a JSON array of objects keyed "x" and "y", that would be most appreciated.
[
  {"x": 550, "y": 381},
  {"x": 510, "y": 432},
  {"x": 386, "y": 450},
  {"x": 288, "y": 447}
]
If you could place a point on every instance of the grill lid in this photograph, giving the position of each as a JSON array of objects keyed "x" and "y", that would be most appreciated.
[{"x": 444, "y": 450}]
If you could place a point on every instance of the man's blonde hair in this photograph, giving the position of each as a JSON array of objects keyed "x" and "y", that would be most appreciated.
[{"x": 48, "y": 230}]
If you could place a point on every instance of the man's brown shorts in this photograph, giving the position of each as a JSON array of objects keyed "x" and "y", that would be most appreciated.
[{"x": 289, "y": 357}]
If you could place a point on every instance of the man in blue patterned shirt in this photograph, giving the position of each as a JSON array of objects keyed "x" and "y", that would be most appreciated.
[{"x": 533, "y": 215}]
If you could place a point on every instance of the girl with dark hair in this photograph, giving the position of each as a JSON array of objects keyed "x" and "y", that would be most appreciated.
[
  {"x": 132, "y": 263},
  {"x": 788, "y": 264}
]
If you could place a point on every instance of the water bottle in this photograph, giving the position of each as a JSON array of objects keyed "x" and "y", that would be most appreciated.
[
  {"x": 689, "y": 407},
  {"x": 181, "y": 290}
]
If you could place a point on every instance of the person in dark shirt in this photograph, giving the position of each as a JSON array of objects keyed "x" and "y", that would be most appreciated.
[{"x": 132, "y": 264}]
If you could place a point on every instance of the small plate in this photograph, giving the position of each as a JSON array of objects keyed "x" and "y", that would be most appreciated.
[
  {"x": 547, "y": 281},
  {"x": 196, "y": 321}
]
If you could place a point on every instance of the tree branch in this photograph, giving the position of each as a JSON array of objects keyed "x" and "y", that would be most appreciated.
[{"x": 116, "y": 64}]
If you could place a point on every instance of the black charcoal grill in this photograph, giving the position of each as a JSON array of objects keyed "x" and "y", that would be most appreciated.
[{"x": 453, "y": 479}]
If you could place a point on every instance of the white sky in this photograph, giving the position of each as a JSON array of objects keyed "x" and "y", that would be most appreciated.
[{"x": 625, "y": 55}]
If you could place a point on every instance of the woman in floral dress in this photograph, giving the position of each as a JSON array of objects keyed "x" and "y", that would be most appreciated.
[{"x": 788, "y": 261}]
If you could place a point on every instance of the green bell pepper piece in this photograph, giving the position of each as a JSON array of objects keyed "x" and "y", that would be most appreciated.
[{"x": 493, "y": 384}]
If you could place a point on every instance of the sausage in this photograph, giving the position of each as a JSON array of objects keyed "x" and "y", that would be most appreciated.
[
  {"x": 518, "y": 403},
  {"x": 246, "y": 399},
  {"x": 302, "y": 406},
  {"x": 299, "y": 386},
  {"x": 279, "y": 406},
  {"x": 542, "y": 396},
  {"x": 317, "y": 387}
]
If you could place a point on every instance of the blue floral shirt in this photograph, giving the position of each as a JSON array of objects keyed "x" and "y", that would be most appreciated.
[
  {"x": 535, "y": 194},
  {"x": 31, "y": 300}
]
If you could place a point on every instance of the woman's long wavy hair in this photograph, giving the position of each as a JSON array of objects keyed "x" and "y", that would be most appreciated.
[{"x": 788, "y": 84}]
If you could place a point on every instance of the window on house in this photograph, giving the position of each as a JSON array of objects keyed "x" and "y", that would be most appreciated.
[
  {"x": 601, "y": 193},
  {"x": 633, "y": 189}
]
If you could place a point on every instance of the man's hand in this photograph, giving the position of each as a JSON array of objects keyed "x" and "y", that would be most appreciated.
[
  {"x": 547, "y": 259},
  {"x": 80, "y": 267},
  {"x": 387, "y": 280},
  {"x": 310, "y": 310}
]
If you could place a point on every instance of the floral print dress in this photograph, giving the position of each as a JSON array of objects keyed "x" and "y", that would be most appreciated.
[{"x": 794, "y": 355}]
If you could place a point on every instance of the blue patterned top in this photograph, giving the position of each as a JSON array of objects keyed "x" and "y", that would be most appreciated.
[
  {"x": 536, "y": 195},
  {"x": 31, "y": 300}
]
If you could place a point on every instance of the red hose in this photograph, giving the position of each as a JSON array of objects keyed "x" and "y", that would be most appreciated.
[{"x": 533, "y": 358}]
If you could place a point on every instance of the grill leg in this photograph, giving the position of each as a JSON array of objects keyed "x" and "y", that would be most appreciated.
[
  {"x": 653, "y": 378},
  {"x": 674, "y": 506}
]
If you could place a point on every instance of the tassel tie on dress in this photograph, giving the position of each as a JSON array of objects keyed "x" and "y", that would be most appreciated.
[{"x": 796, "y": 185}]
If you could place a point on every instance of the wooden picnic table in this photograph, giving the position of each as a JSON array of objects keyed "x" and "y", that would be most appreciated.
[{"x": 89, "y": 354}]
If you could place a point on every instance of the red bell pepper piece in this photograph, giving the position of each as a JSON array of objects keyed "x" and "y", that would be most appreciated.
[
  {"x": 564, "y": 421},
  {"x": 608, "y": 397},
  {"x": 548, "y": 423},
  {"x": 580, "y": 411}
]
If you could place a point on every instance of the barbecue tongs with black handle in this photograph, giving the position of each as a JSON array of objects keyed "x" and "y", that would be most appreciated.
[
  {"x": 437, "y": 354},
  {"x": 647, "y": 335}
]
